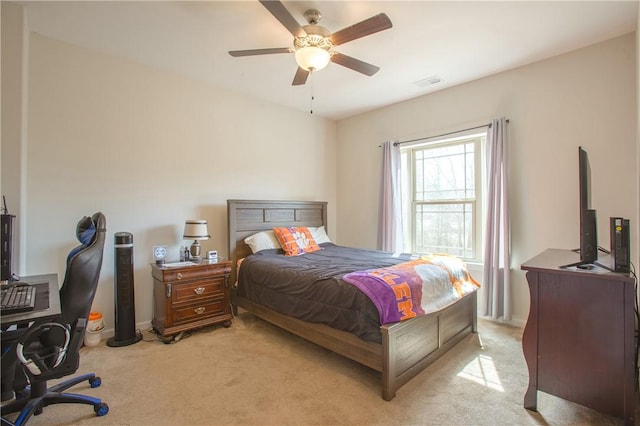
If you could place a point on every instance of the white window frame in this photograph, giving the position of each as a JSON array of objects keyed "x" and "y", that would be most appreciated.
[{"x": 409, "y": 202}]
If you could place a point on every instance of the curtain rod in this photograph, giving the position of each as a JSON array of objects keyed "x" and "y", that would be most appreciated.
[{"x": 445, "y": 134}]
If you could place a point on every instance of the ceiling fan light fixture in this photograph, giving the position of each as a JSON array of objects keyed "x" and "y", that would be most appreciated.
[{"x": 312, "y": 58}]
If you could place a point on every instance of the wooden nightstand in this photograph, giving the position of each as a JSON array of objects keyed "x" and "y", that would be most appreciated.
[{"x": 191, "y": 296}]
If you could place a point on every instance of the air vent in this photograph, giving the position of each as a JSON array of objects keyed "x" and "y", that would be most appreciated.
[{"x": 425, "y": 82}]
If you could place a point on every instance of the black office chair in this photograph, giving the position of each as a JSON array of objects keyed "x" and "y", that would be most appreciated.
[{"x": 50, "y": 350}]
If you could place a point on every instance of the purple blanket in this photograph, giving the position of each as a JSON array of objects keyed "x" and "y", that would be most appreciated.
[{"x": 416, "y": 287}]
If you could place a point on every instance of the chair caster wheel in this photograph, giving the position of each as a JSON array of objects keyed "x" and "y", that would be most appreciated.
[
  {"x": 95, "y": 382},
  {"x": 101, "y": 409}
]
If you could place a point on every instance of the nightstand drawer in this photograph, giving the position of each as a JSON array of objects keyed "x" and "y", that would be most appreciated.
[
  {"x": 199, "y": 290},
  {"x": 192, "y": 273},
  {"x": 198, "y": 311}
]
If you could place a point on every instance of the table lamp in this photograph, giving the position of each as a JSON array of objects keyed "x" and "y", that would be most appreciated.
[{"x": 195, "y": 230}]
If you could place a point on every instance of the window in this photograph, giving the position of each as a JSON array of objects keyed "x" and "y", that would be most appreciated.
[{"x": 442, "y": 193}]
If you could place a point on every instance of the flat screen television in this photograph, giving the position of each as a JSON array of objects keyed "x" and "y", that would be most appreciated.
[{"x": 588, "y": 228}]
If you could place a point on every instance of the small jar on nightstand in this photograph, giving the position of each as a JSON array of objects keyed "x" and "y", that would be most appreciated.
[{"x": 190, "y": 295}]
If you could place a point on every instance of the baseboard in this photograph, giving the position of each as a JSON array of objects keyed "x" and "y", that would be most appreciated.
[
  {"x": 513, "y": 322},
  {"x": 107, "y": 333}
]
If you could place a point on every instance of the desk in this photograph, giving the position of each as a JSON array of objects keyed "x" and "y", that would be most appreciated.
[
  {"x": 579, "y": 341},
  {"x": 47, "y": 304}
]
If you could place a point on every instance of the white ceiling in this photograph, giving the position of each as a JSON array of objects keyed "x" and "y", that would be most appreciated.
[{"x": 457, "y": 41}]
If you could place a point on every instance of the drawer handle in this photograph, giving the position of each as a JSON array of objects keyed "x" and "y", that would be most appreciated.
[
  {"x": 198, "y": 290},
  {"x": 199, "y": 310},
  {"x": 179, "y": 276}
]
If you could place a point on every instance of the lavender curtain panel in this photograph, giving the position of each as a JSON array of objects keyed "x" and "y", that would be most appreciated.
[
  {"x": 390, "y": 226},
  {"x": 496, "y": 300}
]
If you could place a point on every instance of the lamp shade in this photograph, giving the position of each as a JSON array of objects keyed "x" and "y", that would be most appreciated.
[
  {"x": 196, "y": 230},
  {"x": 312, "y": 58}
]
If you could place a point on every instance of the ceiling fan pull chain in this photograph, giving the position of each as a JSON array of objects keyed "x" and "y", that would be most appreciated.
[{"x": 312, "y": 97}]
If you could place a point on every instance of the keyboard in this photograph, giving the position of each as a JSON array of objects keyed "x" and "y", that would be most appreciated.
[{"x": 16, "y": 298}]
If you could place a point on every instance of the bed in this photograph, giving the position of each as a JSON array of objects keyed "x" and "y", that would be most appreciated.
[{"x": 404, "y": 348}]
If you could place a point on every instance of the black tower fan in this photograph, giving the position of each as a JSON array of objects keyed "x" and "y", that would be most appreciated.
[{"x": 125, "y": 308}]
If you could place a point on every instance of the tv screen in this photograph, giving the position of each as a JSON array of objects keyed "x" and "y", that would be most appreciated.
[
  {"x": 588, "y": 231},
  {"x": 584, "y": 177}
]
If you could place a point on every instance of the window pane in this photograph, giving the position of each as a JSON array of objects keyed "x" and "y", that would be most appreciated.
[
  {"x": 444, "y": 228},
  {"x": 445, "y": 173},
  {"x": 419, "y": 183}
]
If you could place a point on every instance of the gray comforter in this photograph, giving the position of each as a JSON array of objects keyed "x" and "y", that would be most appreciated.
[{"x": 310, "y": 287}]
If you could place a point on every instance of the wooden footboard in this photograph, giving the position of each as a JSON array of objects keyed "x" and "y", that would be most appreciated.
[{"x": 407, "y": 347}]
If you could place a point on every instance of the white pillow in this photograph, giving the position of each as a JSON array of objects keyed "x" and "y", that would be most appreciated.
[
  {"x": 268, "y": 240},
  {"x": 319, "y": 234},
  {"x": 262, "y": 241}
]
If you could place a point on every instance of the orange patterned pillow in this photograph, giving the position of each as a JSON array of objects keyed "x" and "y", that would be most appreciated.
[{"x": 296, "y": 240}]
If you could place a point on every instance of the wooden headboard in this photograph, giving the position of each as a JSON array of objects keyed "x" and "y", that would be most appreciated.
[{"x": 246, "y": 217}]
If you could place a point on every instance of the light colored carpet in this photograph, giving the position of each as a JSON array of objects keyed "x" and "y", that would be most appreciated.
[{"x": 256, "y": 374}]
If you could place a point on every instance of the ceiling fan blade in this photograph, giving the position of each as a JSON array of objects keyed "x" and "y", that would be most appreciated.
[
  {"x": 300, "y": 77},
  {"x": 253, "y": 52},
  {"x": 369, "y": 26},
  {"x": 354, "y": 64},
  {"x": 278, "y": 10}
]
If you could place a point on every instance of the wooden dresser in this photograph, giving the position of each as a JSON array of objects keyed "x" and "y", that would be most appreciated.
[
  {"x": 579, "y": 342},
  {"x": 191, "y": 296}
]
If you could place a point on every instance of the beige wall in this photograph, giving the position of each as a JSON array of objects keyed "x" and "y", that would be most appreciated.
[
  {"x": 14, "y": 42},
  {"x": 151, "y": 149},
  {"x": 586, "y": 97}
]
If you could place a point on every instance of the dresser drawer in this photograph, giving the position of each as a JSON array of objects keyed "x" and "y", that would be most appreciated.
[
  {"x": 198, "y": 290},
  {"x": 197, "y": 311}
]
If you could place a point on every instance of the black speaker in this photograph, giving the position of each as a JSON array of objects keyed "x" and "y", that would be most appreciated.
[
  {"x": 125, "y": 307},
  {"x": 588, "y": 237},
  {"x": 620, "y": 250}
]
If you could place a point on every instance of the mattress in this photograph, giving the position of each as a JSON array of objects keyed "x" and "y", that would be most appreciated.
[{"x": 310, "y": 287}]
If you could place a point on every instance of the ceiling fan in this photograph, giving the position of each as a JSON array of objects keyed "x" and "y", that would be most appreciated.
[{"x": 313, "y": 44}]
